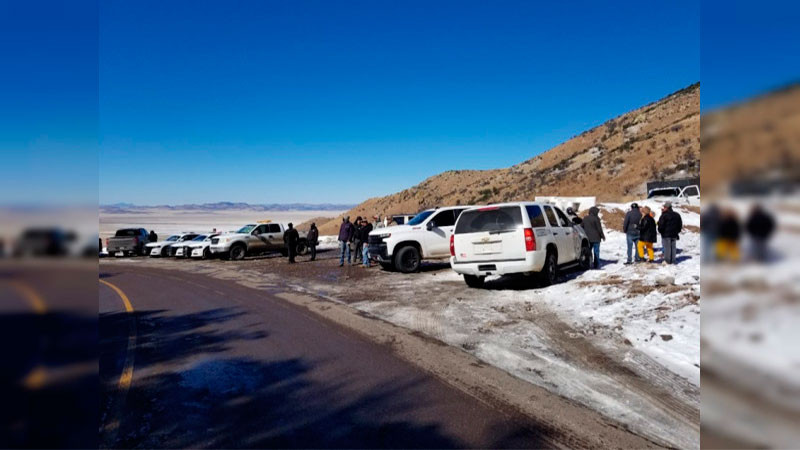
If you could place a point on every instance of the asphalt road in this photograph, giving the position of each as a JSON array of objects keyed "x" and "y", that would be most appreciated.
[{"x": 202, "y": 362}]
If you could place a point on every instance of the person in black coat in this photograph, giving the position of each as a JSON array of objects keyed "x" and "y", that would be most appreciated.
[
  {"x": 313, "y": 237},
  {"x": 647, "y": 235},
  {"x": 290, "y": 238},
  {"x": 760, "y": 226},
  {"x": 152, "y": 237},
  {"x": 670, "y": 225},
  {"x": 594, "y": 233}
]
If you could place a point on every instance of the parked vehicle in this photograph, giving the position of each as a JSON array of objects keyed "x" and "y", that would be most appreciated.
[
  {"x": 199, "y": 247},
  {"x": 516, "y": 238},
  {"x": 127, "y": 241},
  {"x": 168, "y": 246},
  {"x": 688, "y": 194},
  {"x": 255, "y": 239},
  {"x": 44, "y": 242},
  {"x": 426, "y": 236}
]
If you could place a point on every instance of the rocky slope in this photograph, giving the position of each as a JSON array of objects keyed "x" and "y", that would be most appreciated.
[{"x": 611, "y": 161}]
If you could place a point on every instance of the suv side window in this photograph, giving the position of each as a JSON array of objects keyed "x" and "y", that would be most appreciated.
[
  {"x": 562, "y": 218},
  {"x": 274, "y": 228},
  {"x": 551, "y": 217},
  {"x": 536, "y": 216},
  {"x": 444, "y": 219},
  {"x": 261, "y": 229}
]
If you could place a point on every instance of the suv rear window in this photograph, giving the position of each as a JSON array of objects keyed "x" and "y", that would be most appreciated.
[
  {"x": 127, "y": 232},
  {"x": 490, "y": 219}
]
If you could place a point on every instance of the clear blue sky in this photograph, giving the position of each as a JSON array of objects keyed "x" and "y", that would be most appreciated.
[
  {"x": 748, "y": 48},
  {"x": 265, "y": 101}
]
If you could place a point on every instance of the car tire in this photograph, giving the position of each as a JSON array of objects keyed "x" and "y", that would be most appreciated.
[
  {"x": 302, "y": 248},
  {"x": 474, "y": 281},
  {"x": 407, "y": 259},
  {"x": 585, "y": 258},
  {"x": 164, "y": 252},
  {"x": 549, "y": 274},
  {"x": 206, "y": 253},
  {"x": 238, "y": 252}
]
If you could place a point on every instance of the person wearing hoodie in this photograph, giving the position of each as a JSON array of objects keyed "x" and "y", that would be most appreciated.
[
  {"x": 594, "y": 232},
  {"x": 313, "y": 237},
  {"x": 346, "y": 231},
  {"x": 630, "y": 226},
  {"x": 760, "y": 227},
  {"x": 670, "y": 225},
  {"x": 647, "y": 235}
]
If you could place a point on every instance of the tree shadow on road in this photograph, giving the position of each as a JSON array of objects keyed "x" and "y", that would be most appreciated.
[{"x": 196, "y": 398}]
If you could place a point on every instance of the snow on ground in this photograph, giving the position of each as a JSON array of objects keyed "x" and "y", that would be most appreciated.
[
  {"x": 750, "y": 333},
  {"x": 619, "y": 340}
]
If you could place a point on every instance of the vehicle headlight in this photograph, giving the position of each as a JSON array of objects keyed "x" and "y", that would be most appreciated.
[{"x": 384, "y": 235}]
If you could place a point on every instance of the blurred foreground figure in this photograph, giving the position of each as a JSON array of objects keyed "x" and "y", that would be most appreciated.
[
  {"x": 760, "y": 226},
  {"x": 727, "y": 244},
  {"x": 709, "y": 232}
]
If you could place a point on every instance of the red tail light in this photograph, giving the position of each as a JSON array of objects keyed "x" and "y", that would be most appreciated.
[
  {"x": 135, "y": 239},
  {"x": 530, "y": 240},
  {"x": 452, "y": 245}
]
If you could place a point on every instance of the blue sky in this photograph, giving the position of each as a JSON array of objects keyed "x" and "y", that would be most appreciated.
[
  {"x": 748, "y": 48},
  {"x": 263, "y": 101},
  {"x": 48, "y": 102}
]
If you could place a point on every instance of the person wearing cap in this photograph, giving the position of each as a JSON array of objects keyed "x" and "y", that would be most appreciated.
[
  {"x": 670, "y": 225},
  {"x": 630, "y": 226},
  {"x": 313, "y": 237},
  {"x": 290, "y": 238}
]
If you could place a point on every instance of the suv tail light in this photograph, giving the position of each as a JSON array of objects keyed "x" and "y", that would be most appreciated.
[
  {"x": 452, "y": 245},
  {"x": 136, "y": 240},
  {"x": 530, "y": 240},
  {"x": 107, "y": 239}
]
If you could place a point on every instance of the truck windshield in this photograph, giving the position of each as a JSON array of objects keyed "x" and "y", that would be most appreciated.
[
  {"x": 489, "y": 219},
  {"x": 246, "y": 229},
  {"x": 419, "y": 218}
]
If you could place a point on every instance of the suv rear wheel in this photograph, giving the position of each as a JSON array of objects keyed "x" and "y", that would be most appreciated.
[
  {"x": 407, "y": 259},
  {"x": 474, "y": 281},
  {"x": 585, "y": 258},
  {"x": 549, "y": 274}
]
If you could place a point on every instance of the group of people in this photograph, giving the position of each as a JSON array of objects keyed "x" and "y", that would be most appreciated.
[
  {"x": 721, "y": 232},
  {"x": 354, "y": 239},
  {"x": 641, "y": 230}
]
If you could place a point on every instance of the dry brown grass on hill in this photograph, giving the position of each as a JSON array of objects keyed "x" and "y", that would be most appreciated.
[{"x": 611, "y": 161}]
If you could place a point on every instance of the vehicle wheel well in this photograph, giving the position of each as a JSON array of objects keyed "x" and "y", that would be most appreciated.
[
  {"x": 403, "y": 244},
  {"x": 552, "y": 248},
  {"x": 585, "y": 242}
]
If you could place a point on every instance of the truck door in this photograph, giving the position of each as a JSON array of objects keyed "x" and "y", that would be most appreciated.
[
  {"x": 573, "y": 239},
  {"x": 275, "y": 237},
  {"x": 437, "y": 236},
  {"x": 559, "y": 236},
  {"x": 259, "y": 239}
]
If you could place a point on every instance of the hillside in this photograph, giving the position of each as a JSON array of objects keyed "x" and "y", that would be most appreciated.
[{"x": 611, "y": 161}]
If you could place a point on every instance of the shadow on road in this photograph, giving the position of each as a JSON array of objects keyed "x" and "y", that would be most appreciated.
[{"x": 197, "y": 399}]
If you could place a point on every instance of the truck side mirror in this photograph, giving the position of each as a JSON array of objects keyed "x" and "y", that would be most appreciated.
[{"x": 430, "y": 226}]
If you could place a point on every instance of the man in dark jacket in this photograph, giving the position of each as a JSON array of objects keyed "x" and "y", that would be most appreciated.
[
  {"x": 346, "y": 231},
  {"x": 760, "y": 226},
  {"x": 630, "y": 226},
  {"x": 313, "y": 237},
  {"x": 356, "y": 241},
  {"x": 670, "y": 225},
  {"x": 290, "y": 238},
  {"x": 594, "y": 232},
  {"x": 152, "y": 237}
]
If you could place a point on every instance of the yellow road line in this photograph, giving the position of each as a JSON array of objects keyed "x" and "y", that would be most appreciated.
[
  {"x": 35, "y": 300},
  {"x": 127, "y": 371}
]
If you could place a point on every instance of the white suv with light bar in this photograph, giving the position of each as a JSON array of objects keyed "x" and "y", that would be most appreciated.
[{"x": 516, "y": 238}]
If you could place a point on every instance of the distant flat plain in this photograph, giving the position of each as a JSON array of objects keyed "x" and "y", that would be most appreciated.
[{"x": 166, "y": 221}]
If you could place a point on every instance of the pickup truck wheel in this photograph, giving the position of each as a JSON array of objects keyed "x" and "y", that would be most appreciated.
[
  {"x": 238, "y": 252},
  {"x": 474, "y": 281},
  {"x": 585, "y": 258},
  {"x": 302, "y": 248},
  {"x": 407, "y": 260},
  {"x": 549, "y": 273}
]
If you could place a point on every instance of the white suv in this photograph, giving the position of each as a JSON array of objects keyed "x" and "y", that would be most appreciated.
[
  {"x": 519, "y": 237},
  {"x": 425, "y": 236}
]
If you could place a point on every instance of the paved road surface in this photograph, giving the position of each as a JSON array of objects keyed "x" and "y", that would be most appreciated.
[{"x": 216, "y": 364}]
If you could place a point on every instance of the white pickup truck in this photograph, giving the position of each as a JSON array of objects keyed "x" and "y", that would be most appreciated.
[
  {"x": 255, "y": 239},
  {"x": 686, "y": 195},
  {"x": 426, "y": 236}
]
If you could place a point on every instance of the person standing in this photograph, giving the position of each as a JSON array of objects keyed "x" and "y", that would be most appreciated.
[
  {"x": 313, "y": 237},
  {"x": 710, "y": 220},
  {"x": 345, "y": 235},
  {"x": 760, "y": 226},
  {"x": 290, "y": 238},
  {"x": 647, "y": 235},
  {"x": 376, "y": 222},
  {"x": 670, "y": 225},
  {"x": 356, "y": 242},
  {"x": 152, "y": 237},
  {"x": 730, "y": 231},
  {"x": 630, "y": 226},
  {"x": 594, "y": 232},
  {"x": 365, "y": 254}
]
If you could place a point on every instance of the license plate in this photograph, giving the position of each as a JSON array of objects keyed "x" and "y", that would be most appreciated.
[
  {"x": 483, "y": 249},
  {"x": 120, "y": 254}
]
